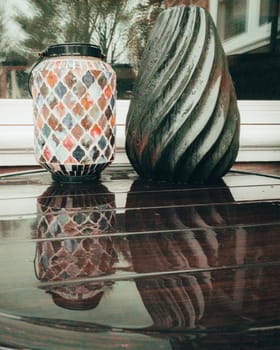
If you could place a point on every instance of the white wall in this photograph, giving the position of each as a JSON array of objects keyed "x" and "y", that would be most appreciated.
[{"x": 259, "y": 139}]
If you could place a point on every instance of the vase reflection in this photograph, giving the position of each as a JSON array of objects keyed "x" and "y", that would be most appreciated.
[
  {"x": 196, "y": 261},
  {"x": 74, "y": 229},
  {"x": 198, "y": 256}
]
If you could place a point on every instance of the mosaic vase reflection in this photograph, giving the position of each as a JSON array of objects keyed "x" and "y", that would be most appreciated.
[
  {"x": 71, "y": 220},
  {"x": 74, "y": 94},
  {"x": 183, "y": 232}
]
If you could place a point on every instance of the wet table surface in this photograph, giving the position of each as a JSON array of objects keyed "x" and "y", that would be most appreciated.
[{"x": 129, "y": 264}]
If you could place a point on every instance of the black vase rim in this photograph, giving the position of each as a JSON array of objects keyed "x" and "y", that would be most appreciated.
[{"x": 72, "y": 49}]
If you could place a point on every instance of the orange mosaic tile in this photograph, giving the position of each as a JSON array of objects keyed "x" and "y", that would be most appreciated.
[
  {"x": 87, "y": 102},
  {"x": 77, "y": 131},
  {"x": 52, "y": 79},
  {"x": 96, "y": 131},
  {"x": 86, "y": 122}
]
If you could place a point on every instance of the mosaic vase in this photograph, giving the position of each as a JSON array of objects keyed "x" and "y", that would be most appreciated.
[
  {"x": 70, "y": 221},
  {"x": 183, "y": 120},
  {"x": 74, "y": 95}
]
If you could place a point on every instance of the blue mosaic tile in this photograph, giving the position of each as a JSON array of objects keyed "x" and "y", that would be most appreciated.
[
  {"x": 79, "y": 218},
  {"x": 102, "y": 143},
  {"x": 41, "y": 141},
  {"x": 112, "y": 102},
  {"x": 39, "y": 101},
  {"x": 88, "y": 79},
  {"x": 78, "y": 153},
  {"x": 53, "y": 228},
  {"x": 46, "y": 131},
  {"x": 60, "y": 90},
  {"x": 37, "y": 148},
  {"x": 45, "y": 262},
  {"x": 68, "y": 121}
]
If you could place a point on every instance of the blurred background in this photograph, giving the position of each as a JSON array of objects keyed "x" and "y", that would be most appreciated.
[{"x": 249, "y": 30}]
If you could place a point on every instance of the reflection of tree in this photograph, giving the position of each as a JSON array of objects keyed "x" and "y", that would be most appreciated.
[
  {"x": 86, "y": 21},
  {"x": 115, "y": 25},
  {"x": 146, "y": 14},
  {"x": 3, "y": 39}
]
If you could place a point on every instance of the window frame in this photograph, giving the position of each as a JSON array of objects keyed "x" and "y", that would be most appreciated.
[{"x": 255, "y": 36}]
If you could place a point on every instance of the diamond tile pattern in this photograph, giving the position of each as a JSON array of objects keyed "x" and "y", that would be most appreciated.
[
  {"x": 84, "y": 216},
  {"x": 74, "y": 114}
]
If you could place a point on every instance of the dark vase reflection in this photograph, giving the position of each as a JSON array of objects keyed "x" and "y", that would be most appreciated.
[
  {"x": 71, "y": 220},
  {"x": 204, "y": 237}
]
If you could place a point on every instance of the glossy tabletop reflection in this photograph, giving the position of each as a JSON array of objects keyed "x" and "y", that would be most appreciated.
[{"x": 130, "y": 264}]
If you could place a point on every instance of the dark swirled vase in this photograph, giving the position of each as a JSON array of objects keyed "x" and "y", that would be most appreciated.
[{"x": 183, "y": 122}]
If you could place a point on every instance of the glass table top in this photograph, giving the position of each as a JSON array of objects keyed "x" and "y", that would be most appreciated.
[{"x": 128, "y": 263}]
